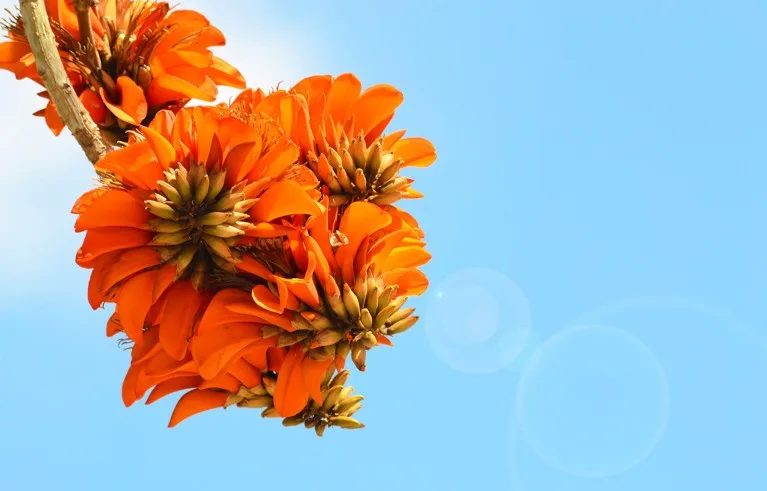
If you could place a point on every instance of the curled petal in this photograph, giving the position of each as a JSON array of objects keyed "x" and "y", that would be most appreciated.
[
  {"x": 132, "y": 107},
  {"x": 291, "y": 394},
  {"x": 195, "y": 402}
]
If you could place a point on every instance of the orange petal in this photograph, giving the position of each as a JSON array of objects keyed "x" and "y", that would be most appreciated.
[
  {"x": 215, "y": 351},
  {"x": 129, "y": 263},
  {"x": 178, "y": 318},
  {"x": 135, "y": 299},
  {"x": 360, "y": 263},
  {"x": 313, "y": 85},
  {"x": 173, "y": 385},
  {"x": 145, "y": 381},
  {"x": 246, "y": 373},
  {"x": 283, "y": 199},
  {"x": 182, "y": 135},
  {"x": 225, "y": 74},
  {"x": 209, "y": 150},
  {"x": 129, "y": 384},
  {"x": 233, "y": 132},
  {"x": 107, "y": 239},
  {"x": 256, "y": 356},
  {"x": 322, "y": 265},
  {"x": 405, "y": 257},
  {"x": 163, "y": 121},
  {"x": 384, "y": 244},
  {"x": 264, "y": 298},
  {"x": 113, "y": 325},
  {"x": 181, "y": 25},
  {"x": 147, "y": 348},
  {"x": 64, "y": 13},
  {"x": 86, "y": 199},
  {"x": 319, "y": 231},
  {"x": 164, "y": 279},
  {"x": 339, "y": 362},
  {"x": 261, "y": 315},
  {"x": 195, "y": 402},
  {"x": 161, "y": 365},
  {"x": 265, "y": 230},
  {"x": 275, "y": 357},
  {"x": 239, "y": 161},
  {"x": 132, "y": 107},
  {"x": 174, "y": 58},
  {"x": 287, "y": 109},
  {"x": 416, "y": 152},
  {"x": 101, "y": 267},
  {"x": 290, "y": 394},
  {"x": 254, "y": 267},
  {"x": 305, "y": 177},
  {"x": 313, "y": 373},
  {"x": 302, "y": 131},
  {"x": 223, "y": 381},
  {"x": 13, "y": 51},
  {"x": 360, "y": 220},
  {"x": 170, "y": 88},
  {"x": 374, "y": 105},
  {"x": 94, "y": 105},
  {"x": 113, "y": 208},
  {"x": 342, "y": 96},
  {"x": 27, "y": 68},
  {"x": 411, "y": 193},
  {"x": 162, "y": 148},
  {"x": 254, "y": 188},
  {"x": 383, "y": 340},
  {"x": 53, "y": 120},
  {"x": 281, "y": 156},
  {"x": 206, "y": 37},
  {"x": 304, "y": 290},
  {"x": 392, "y": 138},
  {"x": 154, "y": 316},
  {"x": 218, "y": 313},
  {"x": 376, "y": 131},
  {"x": 411, "y": 282},
  {"x": 135, "y": 163}
]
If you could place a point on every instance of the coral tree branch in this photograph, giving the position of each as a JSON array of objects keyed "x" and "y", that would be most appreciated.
[{"x": 51, "y": 69}]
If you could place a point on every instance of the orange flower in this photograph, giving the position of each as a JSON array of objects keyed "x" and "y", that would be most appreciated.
[
  {"x": 168, "y": 221},
  {"x": 141, "y": 57},
  {"x": 151, "y": 366},
  {"x": 339, "y": 129},
  {"x": 342, "y": 291},
  {"x": 251, "y": 248},
  {"x": 246, "y": 385},
  {"x": 247, "y": 380}
]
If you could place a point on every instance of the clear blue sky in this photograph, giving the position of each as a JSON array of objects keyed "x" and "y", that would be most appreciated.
[{"x": 597, "y": 219}]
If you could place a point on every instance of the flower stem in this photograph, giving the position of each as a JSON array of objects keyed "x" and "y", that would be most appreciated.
[
  {"x": 83, "y": 9},
  {"x": 51, "y": 69}
]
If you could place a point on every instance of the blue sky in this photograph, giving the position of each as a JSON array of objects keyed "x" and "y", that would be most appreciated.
[{"x": 596, "y": 216}]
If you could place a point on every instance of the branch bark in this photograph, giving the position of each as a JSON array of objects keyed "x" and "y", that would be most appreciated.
[{"x": 51, "y": 69}]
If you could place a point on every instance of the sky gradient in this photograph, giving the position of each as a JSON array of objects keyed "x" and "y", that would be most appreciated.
[{"x": 596, "y": 215}]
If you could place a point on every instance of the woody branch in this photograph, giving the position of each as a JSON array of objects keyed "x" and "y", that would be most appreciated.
[{"x": 51, "y": 69}]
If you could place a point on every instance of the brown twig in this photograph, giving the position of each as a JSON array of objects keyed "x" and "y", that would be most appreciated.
[
  {"x": 83, "y": 9},
  {"x": 51, "y": 69}
]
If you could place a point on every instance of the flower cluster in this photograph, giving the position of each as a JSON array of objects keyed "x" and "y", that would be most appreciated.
[
  {"x": 252, "y": 250},
  {"x": 126, "y": 59}
]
